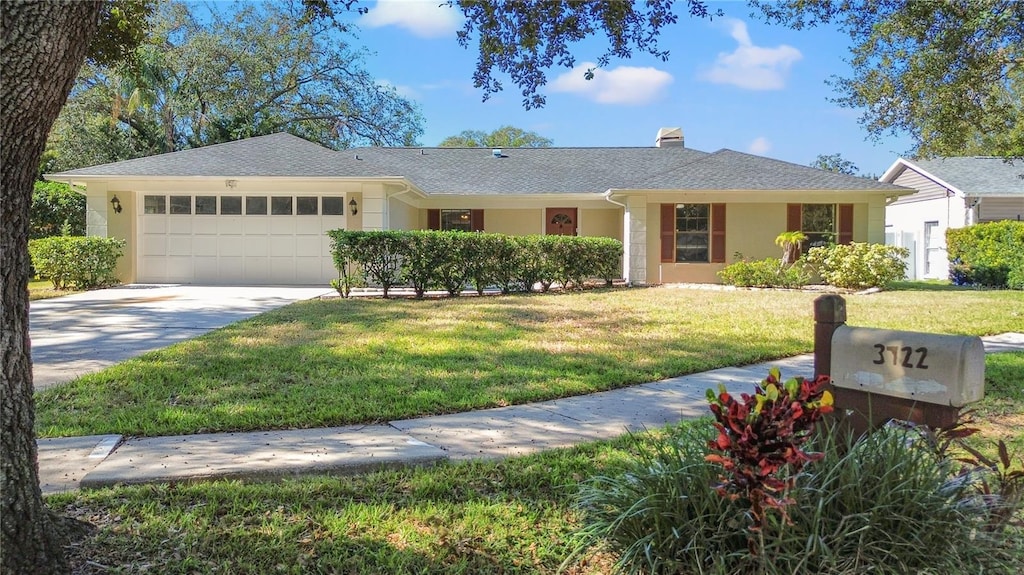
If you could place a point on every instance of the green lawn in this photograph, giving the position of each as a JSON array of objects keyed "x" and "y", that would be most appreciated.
[
  {"x": 335, "y": 362},
  {"x": 43, "y": 289},
  {"x": 514, "y": 516}
]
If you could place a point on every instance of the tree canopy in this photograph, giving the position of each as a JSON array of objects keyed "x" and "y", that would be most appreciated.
[
  {"x": 835, "y": 163},
  {"x": 503, "y": 137},
  {"x": 201, "y": 79},
  {"x": 950, "y": 74}
]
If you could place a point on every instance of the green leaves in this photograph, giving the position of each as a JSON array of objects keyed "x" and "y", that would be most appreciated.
[{"x": 81, "y": 262}]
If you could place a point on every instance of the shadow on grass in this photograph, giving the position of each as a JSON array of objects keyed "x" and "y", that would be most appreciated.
[{"x": 931, "y": 285}]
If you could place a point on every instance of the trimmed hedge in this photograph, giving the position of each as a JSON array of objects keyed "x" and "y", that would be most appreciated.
[
  {"x": 454, "y": 260},
  {"x": 81, "y": 262},
  {"x": 990, "y": 254}
]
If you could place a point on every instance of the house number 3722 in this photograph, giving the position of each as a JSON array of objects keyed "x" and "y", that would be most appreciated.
[{"x": 894, "y": 354}]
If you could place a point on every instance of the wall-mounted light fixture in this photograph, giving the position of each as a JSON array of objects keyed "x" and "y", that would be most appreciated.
[
  {"x": 116, "y": 205},
  {"x": 353, "y": 206},
  {"x": 231, "y": 184}
]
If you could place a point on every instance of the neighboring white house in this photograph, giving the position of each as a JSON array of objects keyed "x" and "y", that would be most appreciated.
[{"x": 951, "y": 193}]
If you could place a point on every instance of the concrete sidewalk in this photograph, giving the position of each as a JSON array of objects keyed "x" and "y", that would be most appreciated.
[{"x": 97, "y": 461}]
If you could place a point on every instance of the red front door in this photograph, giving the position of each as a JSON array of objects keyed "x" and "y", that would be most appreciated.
[{"x": 561, "y": 222}]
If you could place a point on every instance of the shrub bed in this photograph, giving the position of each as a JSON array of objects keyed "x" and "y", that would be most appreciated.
[
  {"x": 858, "y": 265},
  {"x": 451, "y": 261},
  {"x": 990, "y": 254},
  {"x": 79, "y": 262},
  {"x": 769, "y": 272}
]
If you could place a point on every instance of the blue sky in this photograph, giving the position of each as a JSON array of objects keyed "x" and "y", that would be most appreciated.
[{"x": 733, "y": 82}]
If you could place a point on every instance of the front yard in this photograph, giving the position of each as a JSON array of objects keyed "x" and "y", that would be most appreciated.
[{"x": 334, "y": 362}]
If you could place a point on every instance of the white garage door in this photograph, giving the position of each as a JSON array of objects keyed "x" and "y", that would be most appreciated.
[{"x": 271, "y": 239}]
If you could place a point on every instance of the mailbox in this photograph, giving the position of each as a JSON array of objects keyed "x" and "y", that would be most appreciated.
[{"x": 941, "y": 369}]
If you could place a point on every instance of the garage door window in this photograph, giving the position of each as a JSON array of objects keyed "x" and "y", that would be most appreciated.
[
  {"x": 181, "y": 204},
  {"x": 281, "y": 206},
  {"x": 206, "y": 205},
  {"x": 306, "y": 205},
  {"x": 155, "y": 205},
  {"x": 334, "y": 206},
  {"x": 255, "y": 205},
  {"x": 230, "y": 205}
]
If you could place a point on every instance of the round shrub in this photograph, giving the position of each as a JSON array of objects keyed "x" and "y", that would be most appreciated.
[
  {"x": 859, "y": 265},
  {"x": 769, "y": 273}
]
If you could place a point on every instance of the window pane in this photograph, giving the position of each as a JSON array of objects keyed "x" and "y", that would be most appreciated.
[
  {"x": 692, "y": 217},
  {"x": 817, "y": 240},
  {"x": 818, "y": 218},
  {"x": 692, "y": 247},
  {"x": 255, "y": 206},
  {"x": 155, "y": 205},
  {"x": 306, "y": 205},
  {"x": 334, "y": 206},
  {"x": 457, "y": 220},
  {"x": 230, "y": 205},
  {"x": 206, "y": 205},
  {"x": 181, "y": 204},
  {"x": 281, "y": 206}
]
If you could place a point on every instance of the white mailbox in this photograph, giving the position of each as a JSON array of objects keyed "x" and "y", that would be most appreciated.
[{"x": 942, "y": 369}]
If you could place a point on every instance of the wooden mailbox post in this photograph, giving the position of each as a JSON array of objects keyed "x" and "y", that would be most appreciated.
[{"x": 878, "y": 375}]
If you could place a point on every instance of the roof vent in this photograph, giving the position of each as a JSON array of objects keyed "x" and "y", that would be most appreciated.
[
  {"x": 669, "y": 138},
  {"x": 496, "y": 152}
]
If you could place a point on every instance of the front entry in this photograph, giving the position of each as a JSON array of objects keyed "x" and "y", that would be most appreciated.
[{"x": 561, "y": 222}]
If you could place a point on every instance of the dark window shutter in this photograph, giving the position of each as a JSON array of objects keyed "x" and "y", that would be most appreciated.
[
  {"x": 476, "y": 219},
  {"x": 433, "y": 219},
  {"x": 794, "y": 217},
  {"x": 845, "y": 224},
  {"x": 717, "y": 233},
  {"x": 668, "y": 232}
]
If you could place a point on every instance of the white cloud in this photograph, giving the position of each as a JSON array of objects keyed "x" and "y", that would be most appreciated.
[
  {"x": 424, "y": 18},
  {"x": 752, "y": 67},
  {"x": 621, "y": 85},
  {"x": 760, "y": 146},
  {"x": 401, "y": 89}
]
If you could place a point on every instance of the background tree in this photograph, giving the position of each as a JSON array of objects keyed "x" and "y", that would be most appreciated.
[
  {"x": 835, "y": 163},
  {"x": 950, "y": 74},
  {"x": 55, "y": 205},
  {"x": 203, "y": 79},
  {"x": 503, "y": 137}
]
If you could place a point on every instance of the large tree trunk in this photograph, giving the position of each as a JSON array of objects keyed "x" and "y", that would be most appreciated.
[{"x": 44, "y": 45}]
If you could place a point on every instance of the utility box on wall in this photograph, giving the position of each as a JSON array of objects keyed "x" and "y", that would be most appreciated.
[{"x": 938, "y": 369}]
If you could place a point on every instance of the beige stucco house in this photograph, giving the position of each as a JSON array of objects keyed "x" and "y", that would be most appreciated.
[{"x": 255, "y": 211}]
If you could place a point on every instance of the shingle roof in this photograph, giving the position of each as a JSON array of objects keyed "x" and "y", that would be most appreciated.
[
  {"x": 274, "y": 155},
  {"x": 977, "y": 175},
  {"x": 466, "y": 171},
  {"x": 731, "y": 170}
]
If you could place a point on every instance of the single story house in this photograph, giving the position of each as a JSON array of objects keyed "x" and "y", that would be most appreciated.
[
  {"x": 255, "y": 211},
  {"x": 951, "y": 192}
]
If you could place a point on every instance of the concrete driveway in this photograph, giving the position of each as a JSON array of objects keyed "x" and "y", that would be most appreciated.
[{"x": 86, "y": 332}]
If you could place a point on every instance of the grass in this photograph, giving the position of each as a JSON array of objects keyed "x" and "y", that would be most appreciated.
[
  {"x": 43, "y": 289},
  {"x": 336, "y": 362},
  {"x": 513, "y": 516}
]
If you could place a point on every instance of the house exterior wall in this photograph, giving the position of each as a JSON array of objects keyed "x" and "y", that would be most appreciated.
[
  {"x": 513, "y": 222},
  {"x": 606, "y": 223},
  {"x": 932, "y": 210},
  {"x": 998, "y": 209}
]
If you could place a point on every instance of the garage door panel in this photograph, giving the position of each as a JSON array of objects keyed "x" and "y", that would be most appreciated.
[
  {"x": 179, "y": 246},
  {"x": 229, "y": 225},
  {"x": 307, "y": 246},
  {"x": 230, "y": 270},
  {"x": 256, "y": 245},
  {"x": 154, "y": 246},
  {"x": 206, "y": 267},
  {"x": 206, "y": 225},
  {"x": 179, "y": 225},
  {"x": 204, "y": 245},
  {"x": 179, "y": 269},
  {"x": 282, "y": 270},
  {"x": 282, "y": 226},
  {"x": 154, "y": 224},
  {"x": 308, "y": 271},
  {"x": 257, "y": 270},
  {"x": 282, "y": 246},
  {"x": 152, "y": 270},
  {"x": 231, "y": 246},
  {"x": 254, "y": 225}
]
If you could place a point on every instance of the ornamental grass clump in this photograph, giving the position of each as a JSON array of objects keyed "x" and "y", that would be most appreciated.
[{"x": 758, "y": 493}]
